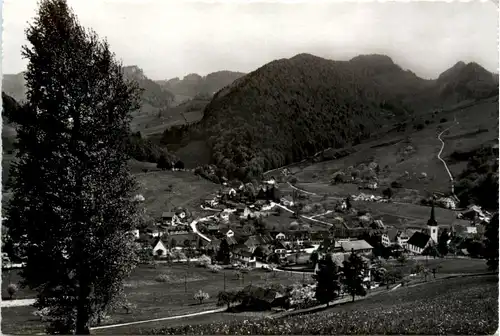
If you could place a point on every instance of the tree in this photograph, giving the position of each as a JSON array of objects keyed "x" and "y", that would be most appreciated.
[
  {"x": 403, "y": 259},
  {"x": 12, "y": 289},
  {"x": 226, "y": 298},
  {"x": 354, "y": 269},
  {"x": 204, "y": 261},
  {"x": 201, "y": 296},
  {"x": 163, "y": 162},
  {"x": 443, "y": 242},
  {"x": 314, "y": 258},
  {"x": 179, "y": 165},
  {"x": 348, "y": 203},
  {"x": 491, "y": 243},
  {"x": 223, "y": 253},
  {"x": 327, "y": 277},
  {"x": 71, "y": 218},
  {"x": 387, "y": 193}
]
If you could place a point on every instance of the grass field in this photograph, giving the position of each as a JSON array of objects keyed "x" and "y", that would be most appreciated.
[
  {"x": 187, "y": 190},
  {"x": 396, "y": 214},
  {"x": 159, "y": 299},
  {"x": 453, "y": 306},
  {"x": 445, "y": 266}
]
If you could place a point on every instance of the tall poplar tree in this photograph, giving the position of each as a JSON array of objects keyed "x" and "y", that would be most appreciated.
[{"x": 72, "y": 203}]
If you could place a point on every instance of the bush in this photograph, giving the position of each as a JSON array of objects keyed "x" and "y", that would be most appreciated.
[
  {"x": 162, "y": 278},
  {"x": 204, "y": 261},
  {"x": 396, "y": 185},
  {"x": 201, "y": 296},
  {"x": 214, "y": 268},
  {"x": 12, "y": 289},
  {"x": 443, "y": 120}
]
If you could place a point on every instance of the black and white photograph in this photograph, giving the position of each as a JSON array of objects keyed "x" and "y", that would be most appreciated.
[{"x": 234, "y": 167}]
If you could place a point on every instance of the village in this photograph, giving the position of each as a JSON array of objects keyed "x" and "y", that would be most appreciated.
[{"x": 265, "y": 226}]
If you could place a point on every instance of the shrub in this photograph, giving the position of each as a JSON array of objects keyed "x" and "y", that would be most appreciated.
[
  {"x": 214, "y": 268},
  {"x": 201, "y": 296},
  {"x": 443, "y": 120},
  {"x": 396, "y": 185},
  {"x": 204, "y": 261},
  {"x": 162, "y": 278},
  {"x": 12, "y": 289},
  {"x": 293, "y": 180}
]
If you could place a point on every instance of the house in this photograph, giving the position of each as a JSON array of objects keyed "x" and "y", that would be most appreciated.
[
  {"x": 227, "y": 232},
  {"x": 471, "y": 229},
  {"x": 378, "y": 224},
  {"x": 279, "y": 248},
  {"x": 280, "y": 236},
  {"x": 358, "y": 246},
  {"x": 475, "y": 214},
  {"x": 395, "y": 237},
  {"x": 418, "y": 242},
  {"x": 260, "y": 298},
  {"x": 213, "y": 245},
  {"x": 213, "y": 228},
  {"x": 159, "y": 248},
  {"x": 169, "y": 218},
  {"x": 180, "y": 213},
  {"x": 286, "y": 202},
  {"x": 243, "y": 256},
  {"x": 135, "y": 233},
  {"x": 255, "y": 241},
  {"x": 447, "y": 202},
  {"x": 210, "y": 201},
  {"x": 271, "y": 181},
  {"x": 154, "y": 231},
  {"x": 316, "y": 238}
]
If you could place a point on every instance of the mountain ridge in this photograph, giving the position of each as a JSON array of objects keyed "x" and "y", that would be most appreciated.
[{"x": 292, "y": 100}]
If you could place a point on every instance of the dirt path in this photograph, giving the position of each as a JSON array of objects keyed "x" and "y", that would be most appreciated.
[
  {"x": 159, "y": 319},
  {"x": 452, "y": 181},
  {"x": 17, "y": 303}
]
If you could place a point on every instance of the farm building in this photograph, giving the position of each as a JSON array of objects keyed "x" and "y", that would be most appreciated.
[{"x": 159, "y": 247}]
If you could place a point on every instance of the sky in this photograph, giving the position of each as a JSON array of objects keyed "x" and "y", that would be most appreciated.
[{"x": 172, "y": 38}]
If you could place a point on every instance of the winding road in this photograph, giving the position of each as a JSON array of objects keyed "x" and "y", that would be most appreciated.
[{"x": 452, "y": 181}]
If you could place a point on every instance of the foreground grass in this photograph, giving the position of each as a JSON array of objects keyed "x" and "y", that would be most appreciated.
[
  {"x": 154, "y": 299},
  {"x": 454, "y": 306}
]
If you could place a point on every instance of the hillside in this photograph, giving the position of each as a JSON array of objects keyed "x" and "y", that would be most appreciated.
[
  {"x": 291, "y": 108},
  {"x": 194, "y": 85},
  {"x": 466, "y": 81},
  {"x": 14, "y": 86},
  {"x": 442, "y": 307},
  {"x": 155, "y": 99}
]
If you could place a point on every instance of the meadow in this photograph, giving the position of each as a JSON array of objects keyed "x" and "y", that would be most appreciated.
[
  {"x": 457, "y": 306},
  {"x": 153, "y": 299}
]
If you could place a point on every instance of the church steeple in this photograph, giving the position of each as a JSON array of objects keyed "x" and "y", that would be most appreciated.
[
  {"x": 432, "y": 221},
  {"x": 432, "y": 225}
]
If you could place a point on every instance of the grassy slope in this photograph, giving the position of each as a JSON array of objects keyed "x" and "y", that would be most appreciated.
[
  {"x": 424, "y": 159},
  {"x": 454, "y": 306},
  {"x": 187, "y": 190}
]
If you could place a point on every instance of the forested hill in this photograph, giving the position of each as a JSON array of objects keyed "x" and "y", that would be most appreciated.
[
  {"x": 291, "y": 108},
  {"x": 286, "y": 110}
]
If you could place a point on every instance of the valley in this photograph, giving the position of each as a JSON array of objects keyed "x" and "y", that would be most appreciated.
[{"x": 307, "y": 196}]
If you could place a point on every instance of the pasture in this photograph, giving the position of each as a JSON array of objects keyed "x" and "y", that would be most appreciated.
[
  {"x": 153, "y": 299},
  {"x": 164, "y": 190}
]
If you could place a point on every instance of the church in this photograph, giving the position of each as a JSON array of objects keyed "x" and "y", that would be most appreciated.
[{"x": 420, "y": 240}]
